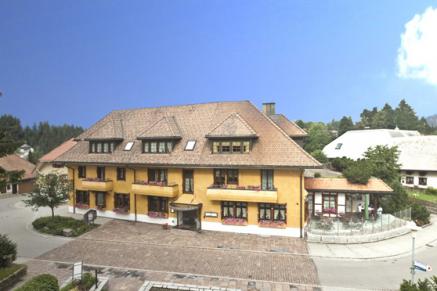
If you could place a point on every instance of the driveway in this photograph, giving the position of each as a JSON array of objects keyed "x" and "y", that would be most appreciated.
[
  {"x": 143, "y": 246},
  {"x": 16, "y": 222}
]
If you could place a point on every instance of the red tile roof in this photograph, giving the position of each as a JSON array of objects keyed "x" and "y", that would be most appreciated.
[
  {"x": 13, "y": 162},
  {"x": 272, "y": 148},
  {"x": 374, "y": 185},
  {"x": 56, "y": 152}
]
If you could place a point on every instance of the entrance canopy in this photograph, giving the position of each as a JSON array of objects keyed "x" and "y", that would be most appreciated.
[
  {"x": 374, "y": 185},
  {"x": 185, "y": 202}
]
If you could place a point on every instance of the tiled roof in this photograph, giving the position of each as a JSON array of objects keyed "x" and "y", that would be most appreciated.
[
  {"x": 273, "y": 148},
  {"x": 13, "y": 162},
  {"x": 111, "y": 129},
  {"x": 166, "y": 127},
  {"x": 374, "y": 185},
  {"x": 56, "y": 152},
  {"x": 232, "y": 126},
  {"x": 291, "y": 128}
]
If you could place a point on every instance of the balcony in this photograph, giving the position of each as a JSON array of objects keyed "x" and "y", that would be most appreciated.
[
  {"x": 243, "y": 194},
  {"x": 155, "y": 189},
  {"x": 95, "y": 184}
]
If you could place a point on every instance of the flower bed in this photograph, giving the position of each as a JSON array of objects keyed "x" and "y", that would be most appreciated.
[
  {"x": 155, "y": 214},
  {"x": 82, "y": 206},
  {"x": 10, "y": 275},
  {"x": 124, "y": 211},
  {"x": 57, "y": 224},
  {"x": 273, "y": 224},
  {"x": 153, "y": 183},
  {"x": 235, "y": 221}
]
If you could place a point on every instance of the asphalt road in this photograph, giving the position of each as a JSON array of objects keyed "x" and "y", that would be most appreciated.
[
  {"x": 373, "y": 274},
  {"x": 15, "y": 221}
]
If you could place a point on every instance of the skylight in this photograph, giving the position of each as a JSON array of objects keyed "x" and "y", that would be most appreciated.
[
  {"x": 129, "y": 146},
  {"x": 339, "y": 145},
  {"x": 190, "y": 145}
]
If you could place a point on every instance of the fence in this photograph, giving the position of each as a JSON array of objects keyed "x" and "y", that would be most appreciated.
[{"x": 354, "y": 224}]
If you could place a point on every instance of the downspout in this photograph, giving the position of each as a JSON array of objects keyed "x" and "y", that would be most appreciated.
[
  {"x": 300, "y": 206},
  {"x": 74, "y": 196}
]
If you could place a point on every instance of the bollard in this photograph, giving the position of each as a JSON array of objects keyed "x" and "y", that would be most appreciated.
[{"x": 97, "y": 281}]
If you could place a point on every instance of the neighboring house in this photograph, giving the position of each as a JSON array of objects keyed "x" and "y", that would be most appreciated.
[
  {"x": 46, "y": 164},
  {"x": 290, "y": 128},
  {"x": 24, "y": 150},
  {"x": 222, "y": 166},
  {"x": 354, "y": 143},
  {"x": 14, "y": 163},
  {"x": 337, "y": 197},
  {"x": 418, "y": 160}
]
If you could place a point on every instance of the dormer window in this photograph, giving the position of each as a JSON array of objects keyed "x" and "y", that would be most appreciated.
[
  {"x": 102, "y": 147},
  {"x": 157, "y": 146},
  {"x": 231, "y": 147}
]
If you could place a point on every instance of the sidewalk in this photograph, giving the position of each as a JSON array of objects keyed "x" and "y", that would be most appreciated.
[{"x": 394, "y": 247}]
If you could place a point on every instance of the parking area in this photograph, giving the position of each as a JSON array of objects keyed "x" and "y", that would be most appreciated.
[{"x": 227, "y": 256}]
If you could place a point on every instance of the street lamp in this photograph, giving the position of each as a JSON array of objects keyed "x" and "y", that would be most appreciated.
[{"x": 413, "y": 267}]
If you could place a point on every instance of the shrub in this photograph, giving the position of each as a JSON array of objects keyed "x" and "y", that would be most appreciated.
[
  {"x": 88, "y": 280},
  {"x": 421, "y": 285},
  {"x": 358, "y": 172},
  {"x": 340, "y": 164},
  {"x": 432, "y": 191},
  {"x": 317, "y": 175},
  {"x": 8, "y": 251},
  {"x": 57, "y": 224},
  {"x": 419, "y": 214},
  {"x": 320, "y": 156},
  {"x": 44, "y": 282}
]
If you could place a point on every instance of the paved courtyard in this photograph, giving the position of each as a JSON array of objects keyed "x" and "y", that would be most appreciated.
[{"x": 228, "y": 257}]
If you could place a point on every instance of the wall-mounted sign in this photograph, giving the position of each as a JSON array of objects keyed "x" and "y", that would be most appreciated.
[{"x": 211, "y": 214}]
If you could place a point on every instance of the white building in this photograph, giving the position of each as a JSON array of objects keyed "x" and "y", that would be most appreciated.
[
  {"x": 417, "y": 153},
  {"x": 354, "y": 143},
  {"x": 418, "y": 159}
]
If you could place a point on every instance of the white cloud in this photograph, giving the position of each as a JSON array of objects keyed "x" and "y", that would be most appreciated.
[{"x": 417, "y": 55}]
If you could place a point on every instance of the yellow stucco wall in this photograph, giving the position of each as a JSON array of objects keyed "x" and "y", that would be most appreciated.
[{"x": 287, "y": 183}]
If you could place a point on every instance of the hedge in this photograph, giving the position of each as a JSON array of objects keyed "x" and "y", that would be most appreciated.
[{"x": 44, "y": 282}]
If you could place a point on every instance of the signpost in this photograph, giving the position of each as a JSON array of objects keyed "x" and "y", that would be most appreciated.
[
  {"x": 415, "y": 265},
  {"x": 77, "y": 271}
]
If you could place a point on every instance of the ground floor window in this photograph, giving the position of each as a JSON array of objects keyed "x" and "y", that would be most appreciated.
[
  {"x": 423, "y": 181},
  {"x": 101, "y": 199},
  {"x": 329, "y": 203},
  {"x": 121, "y": 202},
  {"x": 234, "y": 209},
  {"x": 82, "y": 198},
  {"x": 410, "y": 180},
  {"x": 158, "y": 206},
  {"x": 272, "y": 212}
]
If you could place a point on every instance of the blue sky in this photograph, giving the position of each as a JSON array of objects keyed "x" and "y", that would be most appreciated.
[{"x": 75, "y": 61}]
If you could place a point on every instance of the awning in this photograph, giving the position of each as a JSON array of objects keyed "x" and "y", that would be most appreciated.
[{"x": 185, "y": 202}]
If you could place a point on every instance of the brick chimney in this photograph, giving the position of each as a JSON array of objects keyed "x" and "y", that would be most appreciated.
[{"x": 269, "y": 108}]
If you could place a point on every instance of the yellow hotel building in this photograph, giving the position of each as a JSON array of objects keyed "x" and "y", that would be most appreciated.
[{"x": 224, "y": 166}]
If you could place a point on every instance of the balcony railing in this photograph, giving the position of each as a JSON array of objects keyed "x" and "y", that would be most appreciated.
[
  {"x": 241, "y": 193},
  {"x": 96, "y": 184},
  {"x": 161, "y": 189}
]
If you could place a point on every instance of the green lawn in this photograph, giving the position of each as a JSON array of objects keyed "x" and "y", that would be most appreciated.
[
  {"x": 57, "y": 224},
  {"x": 423, "y": 196},
  {"x": 5, "y": 272}
]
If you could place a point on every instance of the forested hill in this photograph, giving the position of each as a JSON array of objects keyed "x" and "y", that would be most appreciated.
[{"x": 43, "y": 137}]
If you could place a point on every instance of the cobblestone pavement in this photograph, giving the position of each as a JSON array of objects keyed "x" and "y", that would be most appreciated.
[
  {"x": 117, "y": 230},
  {"x": 228, "y": 257}
]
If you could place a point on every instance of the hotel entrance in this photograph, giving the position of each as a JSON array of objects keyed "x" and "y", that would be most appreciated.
[{"x": 187, "y": 212}]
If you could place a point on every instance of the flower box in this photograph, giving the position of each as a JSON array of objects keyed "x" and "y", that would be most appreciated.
[
  {"x": 273, "y": 224},
  {"x": 100, "y": 207},
  {"x": 95, "y": 180},
  {"x": 235, "y": 221},
  {"x": 121, "y": 210},
  {"x": 82, "y": 206},
  {"x": 155, "y": 214},
  {"x": 153, "y": 183}
]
